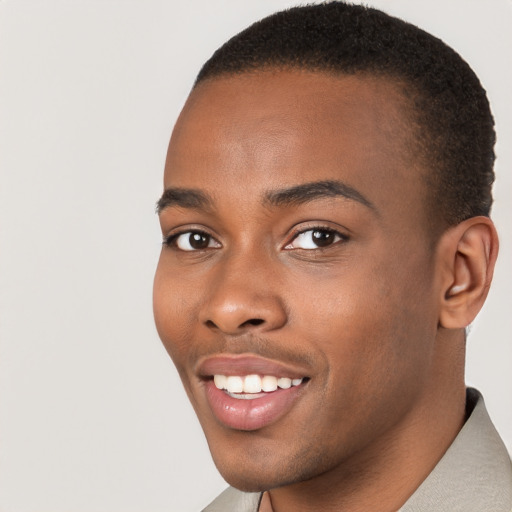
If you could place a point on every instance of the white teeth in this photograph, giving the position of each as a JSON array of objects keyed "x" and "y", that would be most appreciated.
[
  {"x": 234, "y": 384},
  {"x": 253, "y": 384},
  {"x": 244, "y": 396},
  {"x": 269, "y": 383},
  {"x": 284, "y": 383},
  {"x": 220, "y": 381}
]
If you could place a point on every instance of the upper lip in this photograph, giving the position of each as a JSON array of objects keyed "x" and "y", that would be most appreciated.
[{"x": 246, "y": 364}]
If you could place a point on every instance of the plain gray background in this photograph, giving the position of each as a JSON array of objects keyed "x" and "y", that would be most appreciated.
[{"x": 92, "y": 414}]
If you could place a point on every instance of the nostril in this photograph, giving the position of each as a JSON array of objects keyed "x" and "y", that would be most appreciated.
[
  {"x": 231, "y": 325},
  {"x": 252, "y": 321}
]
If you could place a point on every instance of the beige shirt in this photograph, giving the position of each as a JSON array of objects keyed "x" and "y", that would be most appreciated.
[{"x": 474, "y": 475}]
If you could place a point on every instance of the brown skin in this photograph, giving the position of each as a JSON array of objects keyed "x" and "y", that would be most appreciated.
[{"x": 369, "y": 318}]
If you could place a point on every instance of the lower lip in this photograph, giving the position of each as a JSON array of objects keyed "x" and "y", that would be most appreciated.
[{"x": 251, "y": 414}]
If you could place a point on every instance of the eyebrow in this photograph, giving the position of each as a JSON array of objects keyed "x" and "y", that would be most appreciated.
[
  {"x": 307, "y": 192},
  {"x": 184, "y": 198},
  {"x": 297, "y": 195}
]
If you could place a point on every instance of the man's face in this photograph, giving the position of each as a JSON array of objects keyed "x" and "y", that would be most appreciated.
[{"x": 297, "y": 249}]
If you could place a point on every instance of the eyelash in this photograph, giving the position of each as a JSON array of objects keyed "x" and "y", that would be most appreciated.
[
  {"x": 342, "y": 237},
  {"x": 171, "y": 240}
]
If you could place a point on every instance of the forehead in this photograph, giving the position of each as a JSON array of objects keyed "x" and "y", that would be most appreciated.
[{"x": 277, "y": 128}]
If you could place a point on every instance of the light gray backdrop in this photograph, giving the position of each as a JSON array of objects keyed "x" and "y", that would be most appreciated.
[{"x": 92, "y": 415}]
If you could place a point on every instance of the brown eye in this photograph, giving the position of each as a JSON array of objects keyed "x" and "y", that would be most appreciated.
[
  {"x": 198, "y": 240},
  {"x": 194, "y": 241},
  {"x": 323, "y": 238},
  {"x": 315, "y": 239}
]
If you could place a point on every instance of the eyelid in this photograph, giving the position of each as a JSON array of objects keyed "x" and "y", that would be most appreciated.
[
  {"x": 170, "y": 238},
  {"x": 342, "y": 234}
]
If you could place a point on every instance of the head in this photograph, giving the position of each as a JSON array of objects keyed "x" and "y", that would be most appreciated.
[{"x": 325, "y": 218}]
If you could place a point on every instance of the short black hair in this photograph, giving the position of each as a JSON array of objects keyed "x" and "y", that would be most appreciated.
[{"x": 449, "y": 104}]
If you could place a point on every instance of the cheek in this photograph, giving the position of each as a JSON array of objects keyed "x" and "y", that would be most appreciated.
[
  {"x": 376, "y": 355},
  {"x": 173, "y": 311},
  {"x": 373, "y": 322}
]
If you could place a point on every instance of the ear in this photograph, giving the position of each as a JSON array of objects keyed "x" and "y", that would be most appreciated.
[{"x": 468, "y": 253}]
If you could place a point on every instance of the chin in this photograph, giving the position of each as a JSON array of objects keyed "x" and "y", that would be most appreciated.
[
  {"x": 252, "y": 483},
  {"x": 264, "y": 471},
  {"x": 246, "y": 477}
]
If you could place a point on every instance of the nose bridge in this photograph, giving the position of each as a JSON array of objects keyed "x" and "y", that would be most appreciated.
[{"x": 245, "y": 293}]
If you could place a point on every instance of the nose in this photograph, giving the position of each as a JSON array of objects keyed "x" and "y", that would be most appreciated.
[{"x": 244, "y": 298}]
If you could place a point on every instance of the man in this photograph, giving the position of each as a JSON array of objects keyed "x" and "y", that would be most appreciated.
[{"x": 326, "y": 242}]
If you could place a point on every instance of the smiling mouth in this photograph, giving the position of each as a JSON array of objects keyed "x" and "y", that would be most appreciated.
[
  {"x": 249, "y": 392},
  {"x": 241, "y": 402},
  {"x": 253, "y": 386}
]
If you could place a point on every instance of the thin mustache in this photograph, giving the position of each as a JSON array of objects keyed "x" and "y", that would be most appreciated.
[{"x": 253, "y": 345}]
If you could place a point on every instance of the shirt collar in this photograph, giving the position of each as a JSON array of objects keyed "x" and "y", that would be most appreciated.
[{"x": 474, "y": 474}]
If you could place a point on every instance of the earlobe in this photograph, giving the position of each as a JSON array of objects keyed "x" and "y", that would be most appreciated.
[{"x": 469, "y": 252}]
